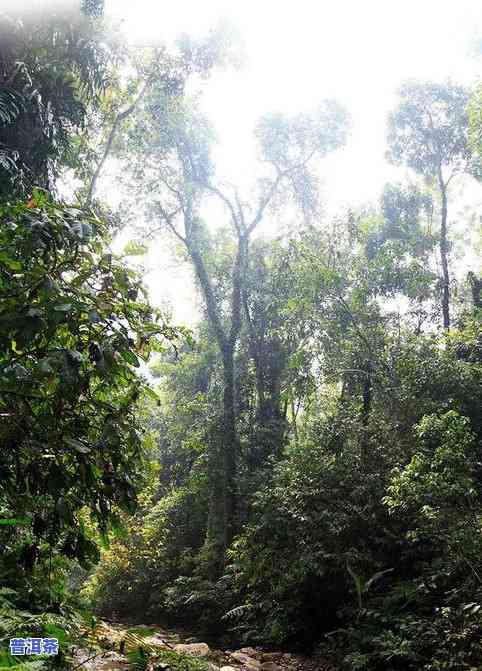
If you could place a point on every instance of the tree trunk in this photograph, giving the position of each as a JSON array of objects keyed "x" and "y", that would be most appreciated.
[
  {"x": 213, "y": 552},
  {"x": 443, "y": 257},
  {"x": 229, "y": 448},
  {"x": 366, "y": 410},
  {"x": 269, "y": 361},
  {"x": 224, "y": 529}
]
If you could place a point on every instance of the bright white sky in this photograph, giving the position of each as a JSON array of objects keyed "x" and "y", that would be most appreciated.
[{"x": 298, "y": 53}]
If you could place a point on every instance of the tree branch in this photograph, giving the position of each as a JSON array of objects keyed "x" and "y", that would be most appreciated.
[
  {"x": 228, "y": 204},
  {"x": 110, "y": 140},
  {"x": 281, "y": 175},
  {"x": 168, "y": 218}
]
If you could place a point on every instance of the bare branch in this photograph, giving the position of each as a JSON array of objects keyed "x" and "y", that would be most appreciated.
[
  {"x": 274, "y": 187},
  {"x": 172, "y": 189},
  {"x": 228, "y": 204},
  {"x": 265, "y": 202},
  {"x": 168, "y": 218}
]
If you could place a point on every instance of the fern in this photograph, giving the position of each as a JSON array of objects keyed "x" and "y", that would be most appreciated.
[
  {"x": 15, "y": 622},
  {"x": 33, "y": 665},
  {"x": 237, "y": 612},
  {"x": 133, "y": 642},
  {"x": 138, "y": 659},
  {"x": 11, "y": 105},
  {"x": 8, "y": 161}
]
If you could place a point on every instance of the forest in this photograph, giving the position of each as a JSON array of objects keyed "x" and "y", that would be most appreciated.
[{"x": 290, "y": 479}]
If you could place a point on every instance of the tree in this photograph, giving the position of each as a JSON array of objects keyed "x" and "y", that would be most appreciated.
[
  {"x": 175, "y": 176},
  {"x": 280, "y": 323},
  {"x": 103, "y": 133},
  {"x": 429, "y": 133},
  {"x": 73, "y": 324}
]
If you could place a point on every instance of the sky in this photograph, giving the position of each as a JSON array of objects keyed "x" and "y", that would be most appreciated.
[{"x": 296, "y": 54}]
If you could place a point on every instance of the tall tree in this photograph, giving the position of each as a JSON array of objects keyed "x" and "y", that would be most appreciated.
[
  {"x": 428, "y": 132},
  {"x": 176, "y": 176}
]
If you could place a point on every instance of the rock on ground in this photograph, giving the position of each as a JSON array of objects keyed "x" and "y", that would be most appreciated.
[
  {"x": 251, "y": 652},
  {"x": 194, "y": 649},
  {"x": 271, "y": 656},
  {"x": 270, "y": 666},
  {"x": 246, "y": 661}
]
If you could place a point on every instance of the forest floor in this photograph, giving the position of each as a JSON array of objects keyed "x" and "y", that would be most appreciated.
[{"x": 178, "y": 651}]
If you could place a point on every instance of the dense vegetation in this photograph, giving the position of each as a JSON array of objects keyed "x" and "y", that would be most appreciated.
[{"x": 303, "y": 470}]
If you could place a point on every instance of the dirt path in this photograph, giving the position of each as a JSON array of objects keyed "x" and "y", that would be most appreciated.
[{"x": 164, "y": 650}]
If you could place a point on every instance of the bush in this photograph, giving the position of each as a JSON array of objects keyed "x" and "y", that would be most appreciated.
[{"x": 160, "y": 543}]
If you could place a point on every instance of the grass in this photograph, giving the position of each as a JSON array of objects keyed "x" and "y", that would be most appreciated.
[
  {"x": 176, "y": 661},
  {"x": 180, "y": 662},
  {"x": 142, "y": 631}
]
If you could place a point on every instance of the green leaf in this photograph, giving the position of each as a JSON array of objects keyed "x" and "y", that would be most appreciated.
[
  {"x": 76, "y": 445},
  {"x": 152, "y": 394},
  {"x": 130, "y": 357},
  {"x": 134, "y": 248},
  {"x": 12, "y": 264}
]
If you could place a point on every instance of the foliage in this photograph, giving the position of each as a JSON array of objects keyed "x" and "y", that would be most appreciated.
[
  {"x": 54, "y": 66},
  {"x": 65, "y": 626},
  {"x": 161, "y": 542},
  {"x": 429, "y": 132},
  {"x": 139, "y": 660},
  {"x": 74, "y": 326},
  {"x": 429, "y": 128}
]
